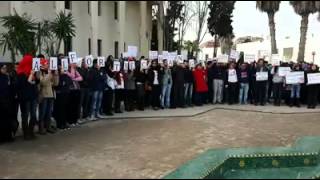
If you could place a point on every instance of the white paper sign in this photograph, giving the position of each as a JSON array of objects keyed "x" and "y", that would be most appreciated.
[
  {"x": 249, "y": 58},
  {"x": 295, "y": 77},
  {"x": 184, "y": 54},
  {"x": 36, "y": 64},
  {"x": 65, "y": 64},
  {"x": 116, "y": 66},
  {"x": 283, "y": 71},
  {"x": 232, "y": 76},
  {"x": 125, "y": 65},
  {"x": 191, "y": 63},
  {"x": 262, "y": 76},
  {"x": 172, "y": 56},
  {"x": 53, "y": 65},
  {"x": 160, "y": 59},
  {"x": 275, "y": 59},
  {"x": 132, "y": 65},
  {"x": 144, "y": 64},
  {"x": 224, "y": 58},
  {"x": 101, "y": 61},
  {"x": 234, "y": 54},
  {"x": 165, "y": 54},
  {"x": 89, "y": 60},
  {"x": 180, "y": 59},
  {"x": 73, "y": 58},
  {"x": 153, "y": 55},
  {"x": 313, "y": 78},
  {"x": 132, "y": 51},
  {"x": 125, "y": 55},
  {"x": 79, "y": 62},
  {"x": 170, "y": 62}
]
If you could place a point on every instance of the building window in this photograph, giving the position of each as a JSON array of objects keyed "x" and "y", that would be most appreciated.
[
  {"x": 99, "y": 47},
  {"x": 89, "y": 46},
  {"x": 99, "y": 8},
  {"x": 89, "y": 7},
  {"x": 67, "y": 5},
  {"x": 68, "y": 45},
  {"x": 116, "y": 49},
  {"x": 116, "y": 10}
]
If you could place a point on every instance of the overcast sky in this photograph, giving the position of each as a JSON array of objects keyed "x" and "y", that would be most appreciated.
[{"x": 248, "y": 21}]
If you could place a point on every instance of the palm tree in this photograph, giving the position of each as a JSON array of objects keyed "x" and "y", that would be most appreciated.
[
  {"x": 304, "y": 9},
  {"x": 20, "y": 35},
  {"x": 63, "y": 28},
  {"x": 270, "y": 7}
]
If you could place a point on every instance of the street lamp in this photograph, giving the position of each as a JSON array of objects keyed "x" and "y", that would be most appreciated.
[{"x": 313, "y": 54}]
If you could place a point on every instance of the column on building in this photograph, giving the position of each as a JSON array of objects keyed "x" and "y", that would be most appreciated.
[
  {"x": 144, "y": 49},
  {"x": 160, "y": 26},
  {"x": 94, "y": 27},
  {"x": 122, "y": 26}
]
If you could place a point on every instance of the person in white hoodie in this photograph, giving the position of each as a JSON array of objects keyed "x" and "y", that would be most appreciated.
[{"x": 278, "y": 83}]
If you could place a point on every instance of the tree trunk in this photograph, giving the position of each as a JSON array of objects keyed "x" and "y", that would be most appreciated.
[
  {"x": 58, "y": 47},
  {"x": 39, "y": 39},
  {"x": 272, "y": 28},
  {"x": 303, "y": 37},
  {"x": 215, "y": 46},
  {"x": 13, "y": 56}
]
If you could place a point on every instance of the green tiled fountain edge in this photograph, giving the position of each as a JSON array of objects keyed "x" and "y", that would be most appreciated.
[{"x": 304, "y": 155}]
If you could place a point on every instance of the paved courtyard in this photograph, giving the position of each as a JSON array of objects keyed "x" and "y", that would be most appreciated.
[{"x": 144, "y": 147}]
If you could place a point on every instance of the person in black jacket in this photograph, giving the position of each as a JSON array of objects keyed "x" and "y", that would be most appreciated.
[
  {"x": 62, "y": 98},
  {"x": 84, "y": 91},
  {"x": 141, "y": 77},
  {"x": 109, "y": 89},
  {"x": 218, "y": 75},
  {"x": 6, "y": 106},
  {"x": 243, "y": 76},
  {"x": 188, "y": 84},
  {"x": 96, "y": 84},
  {"x": 312, "y": 89},
  {"x": 154, "y": 81},
  {"x": 261, "y": 84},
  {"x": 178, "y": 85}
]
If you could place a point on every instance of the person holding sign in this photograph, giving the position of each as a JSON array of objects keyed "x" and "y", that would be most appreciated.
[
  {"x": 232, "y": 80},
  {"x": 201, "y": 87},
  {"x": 84, "y": 89},
  {"x": 312, "y": 89},
  {"x": 278, "y": 84},
  {"x": 262, "y": 76},
  {"x": 154, "y": 81},
  {"x": 188, "y": 84},
  {"x": 295, "y": 89},
  {"x": 130, "y": 89},
  {"x": 243, "y": 76},
  {"x": 218, "y": 75},
  {"x": 27, "y": 91},
  {"x": 96, "y": 79},
  {"x": 166, "y": 85},
  {"x": 48, "y": 81}
]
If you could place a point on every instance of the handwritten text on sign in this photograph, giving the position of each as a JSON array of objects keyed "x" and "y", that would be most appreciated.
[
  {"x": 295, "y": 77},
  {"x": 313, "y": 78},
  {"x": 262, "y": 76},
  {"x": 36, "y": 64},
  {"x": 283, "y": 71}
]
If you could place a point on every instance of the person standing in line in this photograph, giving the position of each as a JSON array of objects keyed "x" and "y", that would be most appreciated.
[
  {"x": 201, "y": 87},
  {"x": 130, "y": 89},
  {"x": 295, "y": 89},
  {"x": 74, "y": 101},
  {"x": 166, "y": 85},
  {"x": 278, "y": 83},
  {"x": 178, "y": 85},
  {"x": 252, "y": 83},
  {"x": 261, "y": 85},
  {"x": 84, "y": 92},
  {"x": 27, "y": 90},
  {"x": 141, "y": 77},
  {"x": 188, "y": 84},
  {"x": 243, "y": 76},
  {"x": 108, "y": 94},
  {"x": 218, "y": 83},
  {"x": 47, "y": 95},
  {"x": 119, "y": 91},
  {"x": 96, "y": 80},
  {"x": 312, "y": 89},
  {"x": 154, "y": 80},
  {"x": 232, "y": 80}
]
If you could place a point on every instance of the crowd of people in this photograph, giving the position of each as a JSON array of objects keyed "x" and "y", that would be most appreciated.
[{"x": 83, "y": 94}]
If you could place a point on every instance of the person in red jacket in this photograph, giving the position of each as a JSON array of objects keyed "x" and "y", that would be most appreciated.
[{"x": 201, "y": 87}]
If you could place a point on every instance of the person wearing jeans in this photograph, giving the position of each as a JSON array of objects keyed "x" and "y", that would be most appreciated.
[
  {"x": 218, "y": 83},
  {"x": 277, "y": 85},
  {"x": 188, "y": 85},
  {"x": 295, "y": 90},
  {"x": 96, "y": 81},
  {"x": 166, "y": 86},
  {"x": 243, "y": 76}
]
